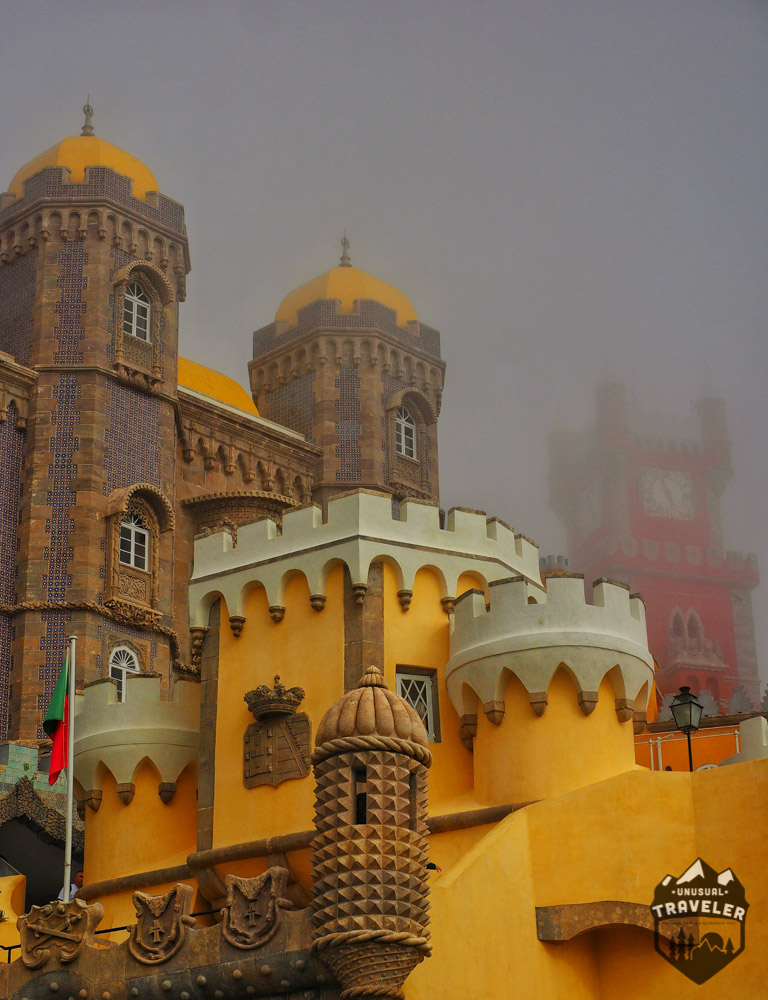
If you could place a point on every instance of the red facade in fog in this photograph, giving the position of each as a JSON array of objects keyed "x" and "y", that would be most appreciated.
[{"x": 642, "y": 505}]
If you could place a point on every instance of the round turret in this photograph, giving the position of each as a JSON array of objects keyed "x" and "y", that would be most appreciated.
[{"x": 370, "y": 850}]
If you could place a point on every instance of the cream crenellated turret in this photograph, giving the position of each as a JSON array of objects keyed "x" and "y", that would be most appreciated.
[{"x": 557, "y": 680}]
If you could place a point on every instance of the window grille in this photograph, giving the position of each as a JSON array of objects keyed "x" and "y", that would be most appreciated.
[
  {"x": 122, "y": 661},
  {"x": 134, "y": 542},
  {"x": 405, "y": 433},
  {"x": 416, "y": 689}
]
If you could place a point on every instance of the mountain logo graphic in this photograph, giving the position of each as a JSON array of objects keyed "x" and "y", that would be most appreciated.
[{"x": 698, "y": 920}]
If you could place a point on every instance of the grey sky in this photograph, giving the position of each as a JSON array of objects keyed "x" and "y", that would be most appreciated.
[{"x": 566, "y": 189}]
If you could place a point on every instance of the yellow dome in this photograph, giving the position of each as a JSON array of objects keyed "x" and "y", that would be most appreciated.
[
  {"x": 81, "y": 151},
  {"x": 347, "y": 284},
  {"x": 215, "y": 386}
]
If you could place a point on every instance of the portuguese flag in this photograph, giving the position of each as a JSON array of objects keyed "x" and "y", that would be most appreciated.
[{"x": 56, "y": 723}]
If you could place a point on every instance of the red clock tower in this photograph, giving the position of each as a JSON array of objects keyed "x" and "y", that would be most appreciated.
[{"x": 641, "y": 504}]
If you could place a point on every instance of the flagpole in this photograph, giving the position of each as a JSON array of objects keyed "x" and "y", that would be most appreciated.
[{"x": 72, "y": 640}]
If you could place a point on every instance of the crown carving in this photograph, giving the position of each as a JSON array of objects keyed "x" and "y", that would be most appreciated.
[{"x": 279, "y": 700}]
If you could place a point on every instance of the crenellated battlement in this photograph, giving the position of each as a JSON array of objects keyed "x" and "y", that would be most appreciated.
[
  {"x": 531, "y": 633},
  {"x": 118, "y": 735},
  {"x": 359, "y": 529}
]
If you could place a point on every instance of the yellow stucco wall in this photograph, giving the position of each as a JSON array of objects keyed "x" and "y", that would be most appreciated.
[{"x": 614, "y": 840}]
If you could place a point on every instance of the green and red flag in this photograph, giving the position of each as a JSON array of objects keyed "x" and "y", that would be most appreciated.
[{"x": 56, "y": 723}]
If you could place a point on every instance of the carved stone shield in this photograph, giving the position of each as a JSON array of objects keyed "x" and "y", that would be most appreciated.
[
  {"x": 276, "y": 748},
  {"x": 57, "y": 928},
  {"x": 161, "y": 924},
  {"x": 251, "y": 916}
]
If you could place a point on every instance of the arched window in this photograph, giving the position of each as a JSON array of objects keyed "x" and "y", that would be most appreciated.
[
  {"x": 134, "y": 541},
  {"x": 405, "y": 433},
  {"x": 122, "y": 661},
  {"x": 694, "y": 628},
  {"x": 677, "y": 626},
  {"x": 136, "y": 312}
]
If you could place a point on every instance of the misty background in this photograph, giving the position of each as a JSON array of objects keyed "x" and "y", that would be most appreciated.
[{"x": 568, "y": 190}]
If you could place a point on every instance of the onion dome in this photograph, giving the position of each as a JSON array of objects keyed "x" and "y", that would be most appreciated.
[
  {"x": 87, "y": 150},
  {"x": 371, "y": 709},
  {"x": 347, "y": 285}
]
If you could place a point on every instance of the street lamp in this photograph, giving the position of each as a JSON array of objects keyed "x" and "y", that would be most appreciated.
[{"x": 686, "y": 711}]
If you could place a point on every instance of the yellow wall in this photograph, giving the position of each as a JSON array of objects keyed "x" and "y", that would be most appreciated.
[
  {"x": 530, "y": 756},
  {"x": 141, "y": 836},
  {"x": 419, "y": 637},
  {"x": 12, "y": 896},
  {"x": 307, "y": 650},
  {"x": 610, "y": 841}
]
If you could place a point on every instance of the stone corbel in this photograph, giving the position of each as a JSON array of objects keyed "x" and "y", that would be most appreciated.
[
  {"x": 276, "y": 612},
  {"x": 494, "y": 711},
  {"x": 93, "y": 799},
  {"x": 449, "y": 604},
  {"x": 359, "y": 590},
  {"x": 166, "y": 790},
  {"x": 539, "y": 701},
  {"x": 587, "y": 701},
  {"x": 317, "y": 601},
  {"x": 197, "y": 634},
  {"x": 236, "y": 623},
  {"x": 405, "y": 597},
  {"x": 102, "y": 234},
  {"x": 625, "y": 709},
  {"x": 468, "y": 730},
  {"x": 638, "y": 722},
  {"x": 125, "y": 792}
]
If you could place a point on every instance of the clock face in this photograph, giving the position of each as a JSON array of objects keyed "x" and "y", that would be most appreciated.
[{"x": 666, "y": 493}]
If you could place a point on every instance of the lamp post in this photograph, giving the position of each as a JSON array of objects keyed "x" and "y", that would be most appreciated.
[{"x": 686, "y": 711}]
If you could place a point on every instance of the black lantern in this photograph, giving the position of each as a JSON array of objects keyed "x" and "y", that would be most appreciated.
[{"x": 686, "y": 711}]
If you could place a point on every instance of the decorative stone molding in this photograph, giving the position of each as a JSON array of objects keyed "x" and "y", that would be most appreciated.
[
  {"x": 119, "y": 735},
  {"x": 236, "y": 623},
  {"x": 533, "y": 640},
  {"x": 405, "y": 597},
  {"x": 358, "y": 530},
  {"x": 317, "y": 601}
]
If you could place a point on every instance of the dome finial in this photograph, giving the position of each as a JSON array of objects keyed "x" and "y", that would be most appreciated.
[
  {"x": 345, "y": 259},
  {"x": 88, "y": 112}
]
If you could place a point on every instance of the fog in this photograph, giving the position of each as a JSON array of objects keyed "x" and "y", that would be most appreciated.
[{"x": 567, "y": 190}]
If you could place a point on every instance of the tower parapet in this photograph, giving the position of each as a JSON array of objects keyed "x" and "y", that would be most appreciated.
[
  {"x": 511, "y": 658},
  {"x": 359, "y": 529},
  {"x": 118, "y": 735}
]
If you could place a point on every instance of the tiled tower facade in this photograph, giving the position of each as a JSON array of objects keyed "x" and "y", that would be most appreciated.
[
  {"x": 94, "y": 439},
  {"x": 642, "y": 505},
  {"x": 115, "y": 452},
  {"x": 348, "y": 364}
]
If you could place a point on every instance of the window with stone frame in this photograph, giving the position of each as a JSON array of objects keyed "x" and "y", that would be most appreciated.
[
  {"x": 122, "y": 661},
  {"x": 405, "y": 433},
  {"x": 418, "y": 686},
  {"x": 135, "y": 540},
  {"x": 137, "y": 312}
]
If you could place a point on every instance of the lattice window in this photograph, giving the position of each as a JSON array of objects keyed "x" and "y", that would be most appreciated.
[
  {"x": 122, "y": 661},
  {"x": 134, "y": 541},
  {"x": 418, "y": 691},
  {"x": 136, "y": 312}
]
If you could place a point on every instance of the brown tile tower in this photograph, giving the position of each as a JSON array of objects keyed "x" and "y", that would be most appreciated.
[
  {"x": 100, "y": 422},
  {"x": 369, "y": 854},
  {"x": 344, "y": 355}
]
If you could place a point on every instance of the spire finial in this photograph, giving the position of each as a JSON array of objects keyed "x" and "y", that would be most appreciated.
[
  {"x": 88, "y": 112},
  {"x": 345, "y": 259}
]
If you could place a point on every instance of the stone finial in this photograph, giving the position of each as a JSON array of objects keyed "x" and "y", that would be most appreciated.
[
  {"x": 345, "y": 260},
  {"x": 87, "y": 128}
]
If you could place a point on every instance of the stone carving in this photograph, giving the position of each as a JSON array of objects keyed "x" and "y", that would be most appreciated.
[
  {"x": 251, "y": 916},
  {"x": 161, "y": 924},
  {"x": 133, "y": 588},
  {"x": 276, "y": 746},
  {"x": 58, "y": 928}
]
